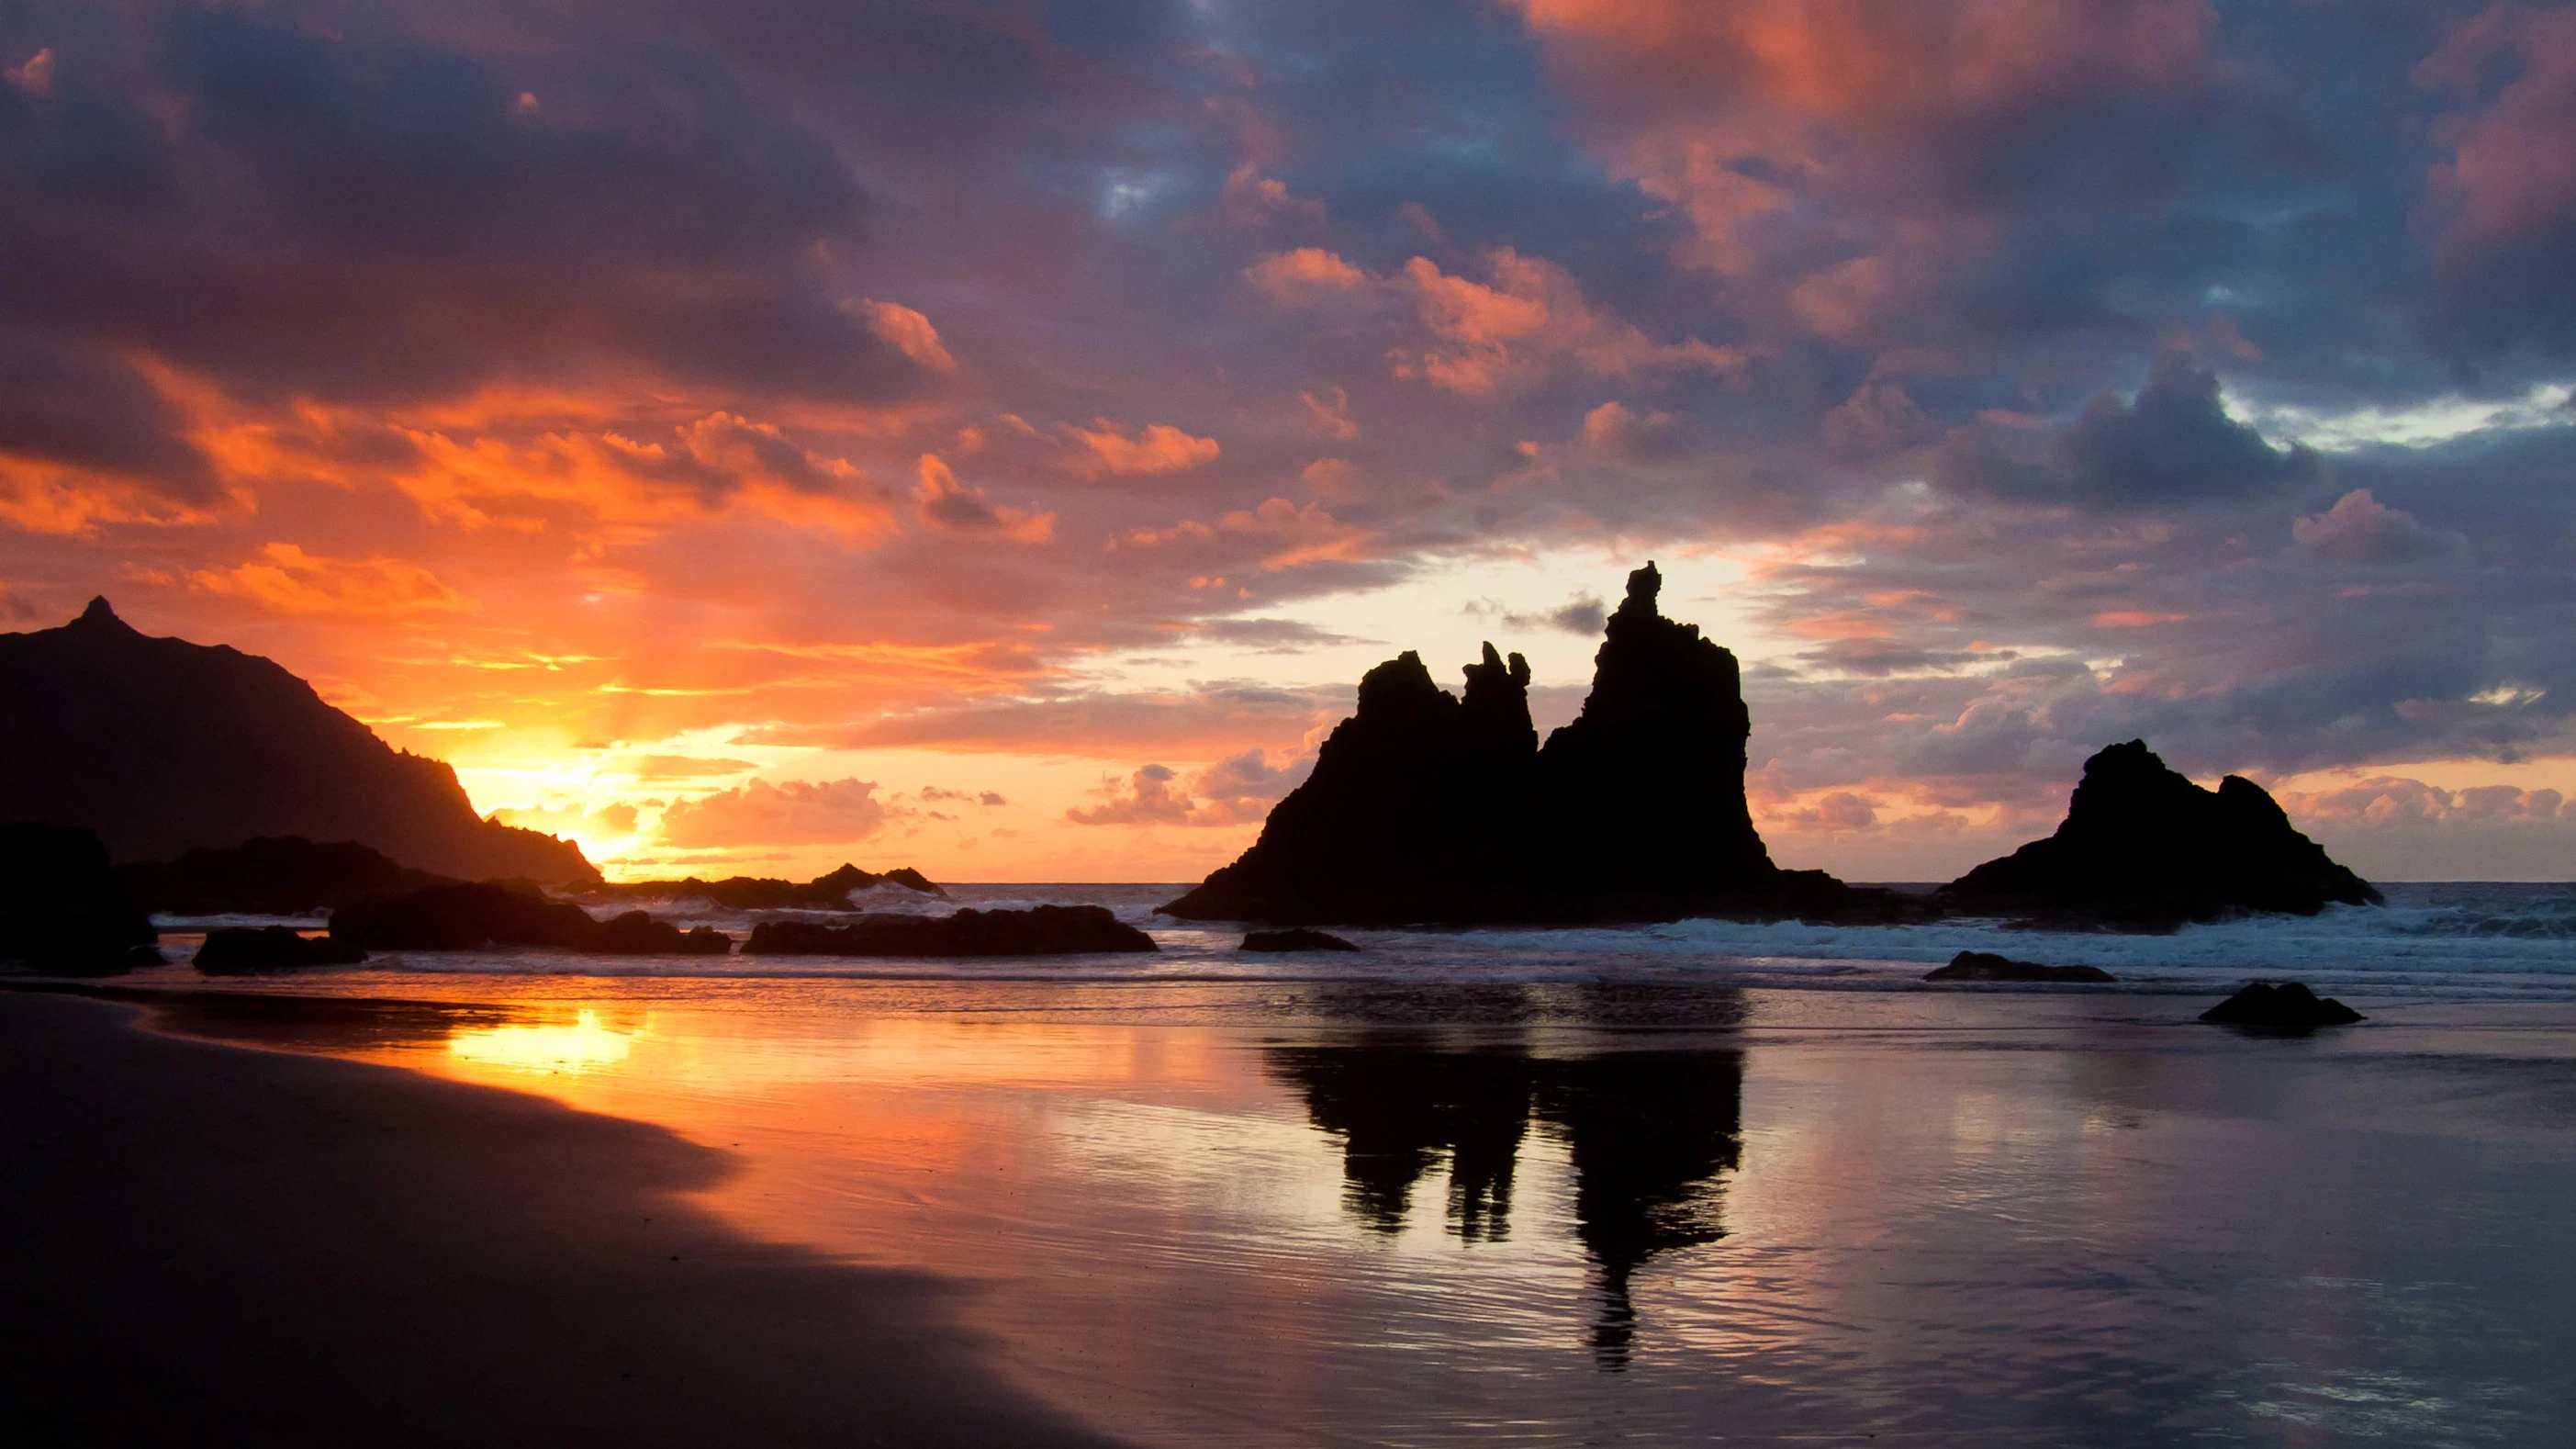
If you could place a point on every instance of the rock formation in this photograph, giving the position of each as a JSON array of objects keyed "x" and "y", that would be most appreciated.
[
  {"x": 1428, "y": 807},
  {"x": 284, "y": 875},
  {"x": 2145, "y": 848},
  {"x": 489, "y": 913},
  {"x": 1038, "y": 931},
  {"x": 2290, "y": 1006},
  {"x": 829, "y": 892},
  {"x": 1987, "y": 966},
  {"x": 1295, "y": 938},
  {"x": 249, "y": 950},
  {"x": 162, "y": 746},
  {"x": 62, "y": 910}
]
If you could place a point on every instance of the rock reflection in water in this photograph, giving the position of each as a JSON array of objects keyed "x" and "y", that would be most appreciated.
[{"x": 1648, "y": 1133}]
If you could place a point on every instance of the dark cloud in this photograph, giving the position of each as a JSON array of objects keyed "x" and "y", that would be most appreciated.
[
  {"x": 2173, "y": 445},
  {"x": 286, "y": 208}
]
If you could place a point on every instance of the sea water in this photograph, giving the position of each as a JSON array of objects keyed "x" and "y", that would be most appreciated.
[{"x": 1700, "y": 1182}]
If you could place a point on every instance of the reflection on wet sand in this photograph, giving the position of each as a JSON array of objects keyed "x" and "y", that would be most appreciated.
[{"x": 1647, "y": 1132}]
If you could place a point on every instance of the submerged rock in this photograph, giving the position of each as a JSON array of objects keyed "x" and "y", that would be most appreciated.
[
  {"x": 1038, "y": 931},
  {"x": 248, "y": 950},
  {"x": 1433, "y": 808},
  {"x": 62, "y": 910},
  {"x": 2142, "y": 847},
  {"x": 480, "y": 914},
  {"x": 1296, "y": 938},
  {"x": 1986, "y": 966},
  {"x": 2289, "y": 1006}
]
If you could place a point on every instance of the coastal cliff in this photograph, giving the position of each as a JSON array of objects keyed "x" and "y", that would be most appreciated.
[
  {"x": 2144, "y": 847},
  {"x": 1429, "y": 807},
  {"x": 161, "y": 746}
]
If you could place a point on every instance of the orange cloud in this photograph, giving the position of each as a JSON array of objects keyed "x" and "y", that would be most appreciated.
[
  {"x": 944, "y": 503},
  {"x": 292, "y": 581},
  {"x": 1106, "y": 448},
  {"x": 911, "y": 334},
  {"x": 1293, "y": 276}
]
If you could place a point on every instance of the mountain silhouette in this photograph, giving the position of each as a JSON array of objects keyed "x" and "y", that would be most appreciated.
[
  {"x": 161, "y": 746},
  {"x": 1429, "y": 807}
]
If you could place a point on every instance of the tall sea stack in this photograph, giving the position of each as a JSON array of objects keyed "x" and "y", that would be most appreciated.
[{"x": 1428, "y": 807}]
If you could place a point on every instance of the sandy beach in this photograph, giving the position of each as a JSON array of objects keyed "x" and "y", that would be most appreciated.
[{"x": 207, "y": 1244}]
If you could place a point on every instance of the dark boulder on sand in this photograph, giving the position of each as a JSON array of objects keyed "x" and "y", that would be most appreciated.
[
  {"x": 284, "y": 875},
  {"x": 828, "y": 892},
  {"x": 1038, "y": 931},
  {"x": 2289, "y": 1006},
  {"x": 249, "y": 950},
  {"x": 163, "y": 746},
  {"x": 62, "y": 909},
  {"x": 1426, "y": 807},
  {"x": 1295, "y": 938},
  {"x": 1987, "y": 966},
  {"x": 479, "y": 914},
  {"x": 2143, "y": 847}
]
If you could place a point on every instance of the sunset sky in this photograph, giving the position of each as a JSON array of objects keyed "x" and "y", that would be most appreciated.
[{"x": 994, "y": 437}]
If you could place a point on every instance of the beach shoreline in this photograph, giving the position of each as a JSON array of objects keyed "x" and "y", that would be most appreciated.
[{"x": 205, "y": 1241}]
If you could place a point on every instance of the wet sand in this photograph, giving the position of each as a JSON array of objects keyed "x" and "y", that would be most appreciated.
[{"x": 205, "y": 1244}]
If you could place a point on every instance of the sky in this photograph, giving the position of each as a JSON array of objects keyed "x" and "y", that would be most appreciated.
[{"x": 994, "y": 435}]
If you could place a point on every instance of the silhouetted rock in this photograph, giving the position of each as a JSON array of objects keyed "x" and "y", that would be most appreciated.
[
  {"x": 2290, "y": 1006},
  {"x": 1038, "y": 931},
  {"x": 2143, "y": 847},
  {"x": 163, "y": 746},
  {"x": 62, "y": 910},
  {"x": 1424, "y": 807},
  {"x": 829, "y": 892},
  {"x": 1296, "y": 938},
  {"x": 482, "y": 914},
  {"x": 272, "y": 876},
  {"x": 248, "y": 950},
  {"x": 1986, "y": 966}
]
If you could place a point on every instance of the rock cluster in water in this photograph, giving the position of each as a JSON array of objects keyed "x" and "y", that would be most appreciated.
[
  {"x": 472, "y": 916},
  {"x": 162, "y": 746},
  {"x": 1295, "y": 938},
  {"x": 1038, "y": 931},
  {"x": 2289, "y": 1006},
  {"x": 2144, "y": 847},
  {"x": 1989, "y": 968},
  {"x": 62, "y": 910},
  {"x": 1428, "y": 807},
  {"x": 828, "y": 892},
  {"x": 251, "y": 950}
]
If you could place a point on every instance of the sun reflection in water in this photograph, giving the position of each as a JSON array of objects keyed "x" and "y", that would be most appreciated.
[{"x": 574, "y": 1048}]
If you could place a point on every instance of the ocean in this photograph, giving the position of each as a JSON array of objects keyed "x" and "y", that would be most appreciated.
[{"x": 1689, "y": 1183}]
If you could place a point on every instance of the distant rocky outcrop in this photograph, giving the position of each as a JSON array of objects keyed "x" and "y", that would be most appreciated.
[
  {"x": 1038, "y": 931},
  {"x": 284, "y": 875},
  {"x": 1295, "y": 938},
  {"x": 162, "y": 747},
  {"x": 1433, "y": 808},
  {"x": 830, "y": 892},
  {"x": 62, "y": 910},
  {"x": 1987, "y": 966},
  {"x": 2289, "y": 1006},
  {"x": 473, "y": 916},
  {"x": 250, "y": 950},
  {"x": 2144, "y": 848}
]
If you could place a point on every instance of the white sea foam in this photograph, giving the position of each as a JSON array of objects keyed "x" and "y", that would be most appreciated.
[{"x": 2430, "y": 942}]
